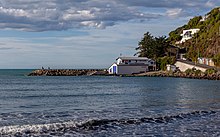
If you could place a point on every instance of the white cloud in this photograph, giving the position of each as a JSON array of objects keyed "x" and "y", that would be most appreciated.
[
  {"x": 46, "y": 15},
  {"x": 38, "y": 15},
  {"x": 210, "y": 3},
  {"x": 173, "y": 13},
  {"x": 14, "y": 12}
]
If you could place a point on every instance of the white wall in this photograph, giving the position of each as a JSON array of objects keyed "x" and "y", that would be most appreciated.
[
  {"x": 171, "y": 67},
  {"x": 119, "y": 61},
  {"x": 187, "y": 37},
  {"x": 183, "y": 66},
  {"x": 111, "y": 68},
  {"x": 131, "y": 69}
]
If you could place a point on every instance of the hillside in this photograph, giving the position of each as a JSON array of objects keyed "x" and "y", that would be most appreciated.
[{"x": 206, "y": 43}]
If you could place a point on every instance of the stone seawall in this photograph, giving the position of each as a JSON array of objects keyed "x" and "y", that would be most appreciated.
[
  {"x": 67, "y": 72},
  {"x": 215, "y": 76}
]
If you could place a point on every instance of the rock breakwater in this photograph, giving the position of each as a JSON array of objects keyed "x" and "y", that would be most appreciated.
[
  {"x": 102, "y": 72},
  {"x": 67, "y": 72},
  {"x": 215, "y": 76}
]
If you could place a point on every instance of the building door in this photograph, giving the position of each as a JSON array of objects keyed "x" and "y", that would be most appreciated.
[
  {"x": 151, "y": 68},
  {"x": 114, "y": 69}
]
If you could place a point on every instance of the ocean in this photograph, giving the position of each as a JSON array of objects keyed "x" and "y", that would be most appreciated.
[{"x": 107, "y": 106}]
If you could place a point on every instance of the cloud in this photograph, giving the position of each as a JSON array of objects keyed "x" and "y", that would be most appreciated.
[
  {"x": 168, "y": 3},
  {"x": 174, "y": 12},
  {"x": 38, "y": 15},
  {"x": 58, "y": 15},
  {"x": 210, "y": 3}
]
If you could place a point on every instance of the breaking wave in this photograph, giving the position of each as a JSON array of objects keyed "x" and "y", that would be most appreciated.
[{"x": 93, "y": 124}]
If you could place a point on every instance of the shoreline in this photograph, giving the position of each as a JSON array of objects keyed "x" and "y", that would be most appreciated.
[
  {"x": 103, "y": 72},
  {"x": 180, "y": 75}
]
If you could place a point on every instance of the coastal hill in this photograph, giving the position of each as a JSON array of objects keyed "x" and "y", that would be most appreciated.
[{"x": 206, "y": 43}]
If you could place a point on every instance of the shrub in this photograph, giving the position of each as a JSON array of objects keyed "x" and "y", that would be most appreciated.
[
  {"x": 198, "y": 72},
  {"x": 216, "y": 59},
  {"x": 211, "y": 71},
  {"x": 189, "y": 71},
  {"x": 163, "y": 61}
]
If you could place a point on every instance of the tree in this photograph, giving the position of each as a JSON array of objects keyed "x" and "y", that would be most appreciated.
[
  {"x": 145, "y": 46},
  {"x": 152, "y": 47},
  {"x": 216, "y": 59},
  {"x": 163, "y": 61},
  {"x": 161, "y": 46}
]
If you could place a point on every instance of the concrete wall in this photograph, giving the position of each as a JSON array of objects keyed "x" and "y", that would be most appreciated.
[
  {"x": 131, "y": 69},
  {"x": 183, "y": 66}
]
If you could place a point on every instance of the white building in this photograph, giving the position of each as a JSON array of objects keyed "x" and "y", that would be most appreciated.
[
  {"x": 204, "y": 18},
  {"x": 206, "y": 61},
  {"x": 132, "y": 65},
  {"x": 188, "y": 34},
  {"x": 171, "y": 67}
]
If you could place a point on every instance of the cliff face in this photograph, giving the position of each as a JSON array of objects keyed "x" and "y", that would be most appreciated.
[{"x": 206, "y": 43}]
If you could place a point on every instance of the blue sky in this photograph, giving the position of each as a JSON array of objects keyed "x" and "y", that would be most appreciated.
[{"x": 85, "y": 33}]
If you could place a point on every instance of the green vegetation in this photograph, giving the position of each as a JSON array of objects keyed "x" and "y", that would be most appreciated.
[
  {"x": 194, "y": 72},
  {"x": 206, "y": 43},
  {"x": 216, "y": 59},
  {"x": 210, "y": 71},
  {"x": 152, "y": 47},
  {"x": 155, "y": 48},
  {"x": 189, "y": 71},
  {"x": 163, "y": 61}
]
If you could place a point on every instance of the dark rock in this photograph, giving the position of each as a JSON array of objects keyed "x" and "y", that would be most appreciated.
[{"x": 65, "y": 72}]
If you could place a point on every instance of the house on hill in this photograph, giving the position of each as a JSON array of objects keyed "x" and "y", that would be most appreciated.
[
  {"x": 132, "y": 65},
  {"x": 188, "y": 34}
]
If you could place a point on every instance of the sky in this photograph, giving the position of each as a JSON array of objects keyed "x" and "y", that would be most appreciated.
[{"x": 85, "y": 33}]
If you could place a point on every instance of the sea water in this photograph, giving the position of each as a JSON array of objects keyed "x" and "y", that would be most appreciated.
[{"x": 107, "y": 106}]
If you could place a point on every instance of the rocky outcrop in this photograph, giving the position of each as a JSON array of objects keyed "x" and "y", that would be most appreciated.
[
  {"x": 67, "y": 72},
  {"x": 215, "y": 76}
]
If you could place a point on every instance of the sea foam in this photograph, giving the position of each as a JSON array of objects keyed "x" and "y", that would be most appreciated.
[{"x": 93, "y": 124}]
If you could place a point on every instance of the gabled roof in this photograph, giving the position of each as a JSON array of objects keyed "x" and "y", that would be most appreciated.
[{"x": 133, "y": 58}]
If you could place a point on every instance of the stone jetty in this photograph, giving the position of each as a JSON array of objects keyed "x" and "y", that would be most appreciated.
[{"x": 67, "y": 72}]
